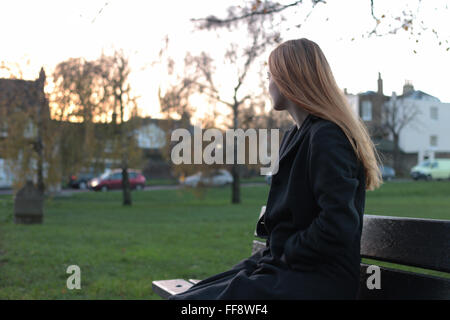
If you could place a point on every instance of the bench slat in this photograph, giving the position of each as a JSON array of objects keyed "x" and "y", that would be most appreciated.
[
  {"x": 166, "y": 288},
  {"x": 400, "y": 285},
  {"x": 396, "y": 284},
  {"x": 258, "y": 245},
  {"x": 423, "y": 243},
  {"x": 194, "y": 281},
  {"x": 260, "y": 230}
]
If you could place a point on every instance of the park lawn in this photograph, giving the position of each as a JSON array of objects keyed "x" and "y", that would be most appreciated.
[
  {"x": 166, "y": 234},
  {"x": 161, "y": 182}
]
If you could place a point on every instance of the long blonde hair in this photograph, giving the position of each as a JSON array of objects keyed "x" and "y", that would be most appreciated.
[{"x": 303, "y": 75}]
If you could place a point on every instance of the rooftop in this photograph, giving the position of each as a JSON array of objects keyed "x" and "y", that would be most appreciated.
[{"x": 419, "y": 95}]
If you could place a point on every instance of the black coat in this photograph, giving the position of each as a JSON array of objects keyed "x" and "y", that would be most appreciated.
[{"x": 313, "y": 220}]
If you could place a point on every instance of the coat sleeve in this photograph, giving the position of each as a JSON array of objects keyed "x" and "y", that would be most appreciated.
[{"x": 332, "y": 167}]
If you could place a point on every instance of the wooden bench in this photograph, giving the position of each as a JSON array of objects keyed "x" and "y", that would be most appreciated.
[{"x": 423, "y": 243}]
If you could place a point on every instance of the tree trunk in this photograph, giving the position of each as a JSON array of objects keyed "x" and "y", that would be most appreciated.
[
  {"x": 236, "y": 186},
  {"x": 396, "y": 154},
  {"x": 235, "y": 170},
  {"x": 40, "y": 168},
  {"x": 123, "y": 141},
  {"x": 126, "y": 187},
  {"x": 39, "y": 148},
  {"x": 126, "y": 190}
]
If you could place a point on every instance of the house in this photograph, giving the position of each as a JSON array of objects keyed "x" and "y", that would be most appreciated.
[
  {"x": 370, "y": 106},
  {"x": 353, "y": 100},
  {"x": 427, "y": 136},
  {"x": 153, "y": 137},
  {"x": 25, "y": 98}
]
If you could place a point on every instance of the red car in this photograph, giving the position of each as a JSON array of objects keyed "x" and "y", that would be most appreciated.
[{"x": 113, "y": 180}]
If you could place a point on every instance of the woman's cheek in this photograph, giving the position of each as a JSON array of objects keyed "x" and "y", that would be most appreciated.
[{"x": 276, "y": 96}]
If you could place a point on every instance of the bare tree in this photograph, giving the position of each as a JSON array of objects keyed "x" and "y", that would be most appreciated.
[
  {"x": 384, "y": 23},
  {"x": 97, "y": 114},
  {"x": 77, "y": 102},
  {"x": 240, "y": 58},
  {"x": 396, "y": 115},
  {"x": 122, "y": 103},
  {"x": 174, "y": 99}
]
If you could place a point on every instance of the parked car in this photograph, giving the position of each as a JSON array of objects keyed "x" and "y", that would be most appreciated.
[
  {"x": 387, "y": 172},
  {"x": 431, "y": 169},
  {"x": 113, "y": 180},
  {"x": 213, "y": 178},
  {"x": 80, "y": 180}
]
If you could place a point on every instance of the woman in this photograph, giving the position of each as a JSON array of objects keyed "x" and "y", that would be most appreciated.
[{"x": 314, "y": 211}]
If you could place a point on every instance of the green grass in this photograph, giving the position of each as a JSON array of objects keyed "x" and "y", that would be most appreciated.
[
  {"x": 161, "y": 182},
  {"x": 257, "y": 179},
  {"x": 417, "y": 199},
  {"x": 168, "y": 182},
  {"x": 165, "y": 234}
]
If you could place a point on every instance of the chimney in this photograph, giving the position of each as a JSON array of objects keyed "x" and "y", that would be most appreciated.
[
  {"x": 394, "y": 96},
  {"x": 380, "y": 84},
  {"x": 40, "y": 82},
  {"x": 42, "y": 75},
  {"x": 408, "y": 87}
]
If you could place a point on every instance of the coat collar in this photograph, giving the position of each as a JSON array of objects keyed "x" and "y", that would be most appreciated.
[{"x": 297, "y": 135}]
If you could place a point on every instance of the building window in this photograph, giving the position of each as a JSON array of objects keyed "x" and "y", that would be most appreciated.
[
  {"x": 433, "y": 141},
  {"x": 4, "y": 129},
  {"x": 434, "y": 113},
  {"x": 366, "y": 110}
]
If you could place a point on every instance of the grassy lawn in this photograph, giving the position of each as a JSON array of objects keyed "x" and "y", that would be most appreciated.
[
  {"x": 257, "y": 179},
  {"x": 165, "y": 234},
  {"x": 169, "y": 182},
  {"x": 161, "y": 182}
]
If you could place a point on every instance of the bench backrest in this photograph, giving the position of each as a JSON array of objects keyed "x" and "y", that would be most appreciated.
[{"x": 423, "y": 243}]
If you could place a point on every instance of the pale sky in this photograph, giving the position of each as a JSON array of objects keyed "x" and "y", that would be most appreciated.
[{"x": 47, "y": 32}]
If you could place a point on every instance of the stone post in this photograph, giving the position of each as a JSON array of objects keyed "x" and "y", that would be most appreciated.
[{"x": 28, "y": 205}]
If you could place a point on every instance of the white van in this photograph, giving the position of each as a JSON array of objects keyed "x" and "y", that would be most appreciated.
[{"x": 432, "y": 169}]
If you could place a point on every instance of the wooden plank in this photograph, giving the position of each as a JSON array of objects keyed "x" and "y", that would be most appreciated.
[
  {"x": 194, "y": 281},
  {"x": 400, "y": 285},
  {"x": 258, "y": 245},
  {"x": 260, "y": 230},
  {"x": 423, "y": 243},
  {"x": 166, "y": 288},
  {"x": 396, "y": 284}
]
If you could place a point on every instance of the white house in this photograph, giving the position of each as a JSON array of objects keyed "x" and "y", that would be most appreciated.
[
  {"x": 429, "y": 132},
  {"x": 151, "y": 136},
  {"x": 353, "y": 101},
  {"x": 6, "y": 176}
]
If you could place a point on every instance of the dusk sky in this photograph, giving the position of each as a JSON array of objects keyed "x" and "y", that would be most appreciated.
[{"x": 47, "y": 32}]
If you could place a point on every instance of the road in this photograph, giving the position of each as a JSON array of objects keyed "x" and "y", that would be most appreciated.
[{"x": 68, "y": 192}]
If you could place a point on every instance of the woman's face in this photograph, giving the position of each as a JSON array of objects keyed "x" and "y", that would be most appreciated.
[{"x": 278, "y": 100}]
